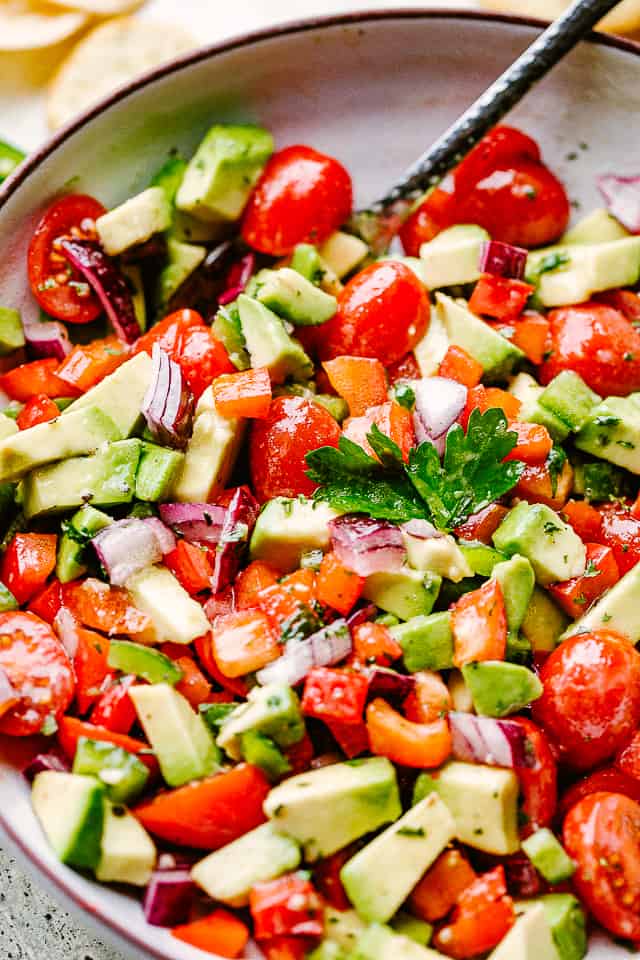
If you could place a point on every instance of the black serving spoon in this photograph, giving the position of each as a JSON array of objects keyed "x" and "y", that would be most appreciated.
[{"x": 380, "y": 222}]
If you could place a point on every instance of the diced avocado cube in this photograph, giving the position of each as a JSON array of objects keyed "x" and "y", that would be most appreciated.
[
  {"x": 78, "y": 433},
  {"x": 517, "y": 581},
  {"x": 379, "y": 942},
  {"x": 440, "y": 555},
  {"x": 453, "y": 256},
  {"x": 328, "y": 808},
  {"x": 343, "y": 252},
  {"x": 121, "y": 393},
  {"x": 176, "y": 617},
  {"x": 597, "y": 227},
  {"x": 481, "y": 558},
  {"x": 270, "y": 345},
  {"x": 616, "y": 610},
  {"x": 134, "y": 221},
  {"x": 288, "y": 528},
  {"x": 497, "y": 355},
  {"x": 10, "y": 157},
  {"x": 261, "y": 751},
  {"x": 599, "y": 480},
  {"x": 569, "y": 398},
  {"x": 484, "y": 804},
  {"x": 273, "y": 710},
  {"x": 584, "y": 270},
  {"x": 380, "y": 877},
  {"x": 612, "y": 432},
  {"x": 124, "y": 776},
  {"x": 7, "y": 599},
  {"x": 11, "y": 331},
  {"x": 157, "y": 471},
  {"x": 291, "y": 296},
  {"x": 343, "y": 927},
  {"x": 229, "y": 873},
  {"x": 128, "y": 853},
  {"x": 548, "y": 856},
  {"x": 528, "y": 939},
  {"x": 210, "y": 455},
  {"x": 500, "y": 688},
  {"x": 70, "y": 809},
  {"x": 182, "y": 260},
  {"x": 424, "y": 785},
  {"x": 525, "y": 389},
  {"x": 554, "y": 550},
  {"x": 179, "y": 736},
  {"x": 543, "y": 622},
  {"x": 223, "y": 171},
  {"x": 77, "y": 532},
  {"x": 568, "y": 924},
  {"x": 426, "y": 641},
  {"x": 104, "y": 480},
  {"x": 146, "y": 662},
  {"x": 430, "y": 351},
  {"x": 406, "y": 593},
  {"x": 412, "y": 927}
]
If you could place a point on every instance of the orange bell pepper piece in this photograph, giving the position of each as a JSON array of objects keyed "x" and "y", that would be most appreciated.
[
  {"x": 483, "y": 915},
  {"x": 479, "y": 625},
  {"x": 104, "y": 608},
  {"x": 499, "y": 297},
  {"x": 284, "y": 599},
  {"x": 485, "y": 398},
  {"x": 361, "y": 381},
  {"x": 221, "y": 933},
  {"x": 410, "y": 744},
  {"x": 243, "y": 642},
  {"x": 430, "y": 699},
  {"x": 459, "y": 365},
  {"x": 254, "y": 578},
  {"x": 89, "y": 363},
  {"x": 39, "y": 377},
  {"x": 372, "y": 643},
  {"x": 529, "y": 332},
  {"x": 338, "y": 587},
  {"x": 438, "y": 891},
  {"x": 243, "y": 394},
  {"x": 534, "y": 442}
]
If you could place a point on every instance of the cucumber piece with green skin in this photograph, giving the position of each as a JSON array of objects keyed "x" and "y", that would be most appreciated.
[
  {"x": 262, "y": 751},
  {"x": 569, "y": 397},
  {"x": 123, "y": 774},
  {"x": 11, "y": 331},
  {"x": 76, "y": 534},
  {"x": 308, "y": 263},
  {"x": 568, "y": 924},
  {"x": 157, "y": 471},
  {"x": 228, "y": 330},
  {"x": 215, "y": 714},
  {"x": 70, "y": 809},
  {"x": 292, "y": 296},
  {"x": 146, "y": 662},
  {"x": 549, "y": 856},
  {"x": 500, "y": 688}
]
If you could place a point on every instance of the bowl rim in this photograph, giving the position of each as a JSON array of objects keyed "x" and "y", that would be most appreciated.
[{"x": 98, "y": 918}]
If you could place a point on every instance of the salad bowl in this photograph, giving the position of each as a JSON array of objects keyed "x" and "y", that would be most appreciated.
[{"x": 372, "y": 89}]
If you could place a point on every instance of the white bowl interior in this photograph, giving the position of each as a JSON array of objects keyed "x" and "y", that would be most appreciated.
[{"x": 373, "y": 92}]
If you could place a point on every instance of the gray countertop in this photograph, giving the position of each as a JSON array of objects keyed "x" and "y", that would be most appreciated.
[{"x": 33, "y": 927}]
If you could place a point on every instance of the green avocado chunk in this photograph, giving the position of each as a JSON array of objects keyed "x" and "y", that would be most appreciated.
[
  {"x": 554, "y": 550},
  {"x": 292, "y": 296},
  {"x": 77, "y": 532},
  {"x": 270, "y": 345},
  {"x": 612, "y": 432},
  {"x": 497, "y": 355},
  {"x": 426, "y": 641},
  {"x": 548, "y": 856},
  {"x": 157, "y": 470},
  {"x": 500, "y": 688},
  {"x": 272, "y": 710},
  {"x": 517, "y": 580},
  {"x": 70, "y": 809},
  {"x": 568, "y": 397},
  {"x": 11, "y": 331},
  {"x": 406, "y": 593},
  {"x": 146, "y": 662},
  {"x": 543, "y": 622}
]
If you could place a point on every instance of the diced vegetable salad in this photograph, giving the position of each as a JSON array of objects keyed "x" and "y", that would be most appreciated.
[{"x": 319, "y": 574}]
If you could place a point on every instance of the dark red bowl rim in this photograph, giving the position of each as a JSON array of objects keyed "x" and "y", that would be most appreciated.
[{"x": 34, "y": 159}]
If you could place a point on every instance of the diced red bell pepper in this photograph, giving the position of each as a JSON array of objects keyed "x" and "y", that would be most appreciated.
[
  {"x": 338, "y": 587},
  {"x": 193, "y": 685},
  {"x": 499, "y": 297},
  {"x": 191, "y": 566},
  {"x": 534, "y": 443},
  {"x": 621, "y": 531},
  {"x": 395, "y": 421},
  {"x": 443, "y": 883},
  {"x": 39, "y": 409},
  {"x": 574, "y": 596},
  {"x": 38, "y": 377},
  {"x": 221, "y": 932},
  {"x": 208, "y": 814},
  {"x": 254, "y": 578},
  {"x": 485, "y": 398},
  {"x": 479, "y": 625},
  {"x": 47, "y": 603},
  {"x": 482, "y": 525},
  {"x": 372, "y": 643},
  {"x": 90, "y": 663},
  {"x": 204, "y": 649},
  {"x": 483, "y": 915},
  {"x": 352, "y": 738},
  {"x": 530, "y": 332},
  {"x": 300, "y": 754},
  {"x": 284, "y": 599},
  {"x": 70, "y": 729},
  {"x": 104, "y": 608},
  {"x": 89, "y": 363},
  {"x": 459, "y": 365},
  {"x": 361, "y": 381},
  {"x": 335, "y": 695},
  {"x": 391, "y": 735},
  {"x": 114, "y": 709},
  {"x": 327, "y": 877},
  {"x": 27, "y": 563},
  {"x": 246, "y": 393},
  {"x": 288, "y": 906},
  {"x": 243, "y": 642},
  {"x": 585, "y": 519}
]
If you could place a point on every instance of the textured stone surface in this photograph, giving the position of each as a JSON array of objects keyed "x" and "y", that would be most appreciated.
[{"x": 34, "y": 927}]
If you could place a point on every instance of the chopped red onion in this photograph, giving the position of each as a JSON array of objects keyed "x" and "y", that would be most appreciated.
[
  {"x": 66, "y": 626},
  {"x": 238, "y": 278},
  {"x": 43, "y": 762},
  {"x": 389, "y": 684},
  {"x": 239, "y": 521},
  {"x": 502, "y": 259},
  {"x": 47, "y": 339},
  {"x": 168, "y": 897},
  {"x": 163, "y": 534},
  {"x": 367, "y": 546},
  {"x": 220, "y": 604},
  {"x": 323, "y": 648},
  {"x": 102, "y": 274},
  {"x": 7, "y": 692},
  {"x": 168, "y": 403},
  {"x": 498, "y": 743},
  {"x": 421, "y": 530},
  {"x": 195, "y": 522},
  {"x": 128, "y": 546},
  {"x": 439, "y": 403},
  {"x": 523, "y": 880},
  {"x": 362, "y": 615},
  {"x": 622, "y": 199}
]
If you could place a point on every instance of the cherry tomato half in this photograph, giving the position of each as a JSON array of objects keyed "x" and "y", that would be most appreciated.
[
  {"x": 590, "y": 706},
  {"x": 279, "y": 443},
  {"x": 38, "y": 669},
  {"x": 382, "y": 313},
  {"x": 620, "y": 530},
  {"x": 301, "y": 197},
  {"x": 601, "y": 834},
  {"x": 58, "y": 288}
]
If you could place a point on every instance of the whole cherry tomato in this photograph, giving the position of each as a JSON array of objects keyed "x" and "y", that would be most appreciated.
[
  {"x": 382, "y": 312},
  {"x": 38, "y": 669},
  {"x": 539, "y": 782},
  {"x": 597, "y": 342},
  {"x": 601, "y": 834},
  {"x": 590, "y": 706},
  {"x": 620, "y": 530},
  {"x": 58, "y": 288},
  {"x": 301, "y": 197},
  {"x": 279, "y": 443}
]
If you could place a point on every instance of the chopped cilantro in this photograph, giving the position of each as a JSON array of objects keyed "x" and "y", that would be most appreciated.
[
  {"x": 591, "y": 570},
  {"x": 550, "y": 262},
  {"x": 411, "y": 832},
  {"x": 555, "y": 465}
]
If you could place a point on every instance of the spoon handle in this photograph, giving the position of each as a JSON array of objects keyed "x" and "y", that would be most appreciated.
[{"x": 496, "y": 101}]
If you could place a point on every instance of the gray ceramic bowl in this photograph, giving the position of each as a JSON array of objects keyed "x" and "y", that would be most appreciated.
[{"x": 373, "y": 89}]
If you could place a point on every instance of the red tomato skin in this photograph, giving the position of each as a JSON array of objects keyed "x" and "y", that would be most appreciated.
[
  {"x": 301, "y": 197},
  {"x": 593, "y": 339},
  {"x": 590, "y": 706},
  {"x": 39, "y": 409},
  {"x": 495, "y": 151},
  {"x": 202, "y": 358},
  {"x": 383, "y": 312},
  {"x": 39, "y": 670},
  {"x": 278, "y": 444},
  {"x": 608, "y": 779},
  {"x": 61, "y": 301},
  {"x": 620, "y": 530},
  {"x": 601, "y": 834},
  {"x": 539, "y": 782}
]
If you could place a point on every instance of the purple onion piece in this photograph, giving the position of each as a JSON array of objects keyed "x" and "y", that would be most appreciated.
[
  {"x": 622, "y": 199},
  {"x": 439, "y": 403},
  {"x": 367, "y": 546},
  {"x": 498, "y": 743},
  {"x": 47, "y": 339},
  {"x": 523, "y": 880},
  {"x": 168, "y": 897},
  {"x": 327, "y": 646},
  {"x": 66, "y": 627},
  {"x": 502, "y": 259},
  {"x": 239, "y": 521},
  {"x": 362, "y": 615},
  {"x": 126, "y": 547},
  {"x": 238, "y": 278},
  {"x": 421, "y": 530},
  {"x": 163, "y": 534},
  {"x": 44, "y": 762},
  {"x": 195, "y": 522},
  {"x": 103, "y": 276},
  {"x": 168, "y": 404},
  {"x": 389, "y": 684}
]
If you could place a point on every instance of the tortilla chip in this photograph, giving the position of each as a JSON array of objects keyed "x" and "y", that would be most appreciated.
[{"x": 28, "y": 25}]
